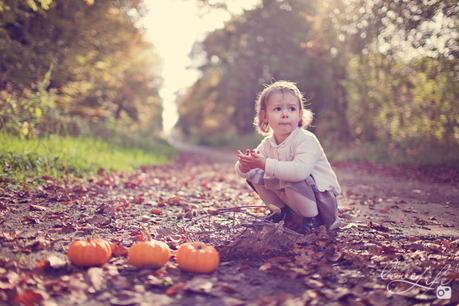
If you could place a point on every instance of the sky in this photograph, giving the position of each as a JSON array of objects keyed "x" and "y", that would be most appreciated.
[{"x": 173, "y": 26}]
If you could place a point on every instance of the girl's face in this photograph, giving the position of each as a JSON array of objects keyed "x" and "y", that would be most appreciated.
[{"x": 282, "y": 114}]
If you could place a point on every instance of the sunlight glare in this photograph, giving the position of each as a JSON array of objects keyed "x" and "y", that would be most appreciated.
[{"x": 173, "y": 26}]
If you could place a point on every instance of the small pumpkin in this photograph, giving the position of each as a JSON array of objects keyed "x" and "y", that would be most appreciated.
[
  {"x": 197, "y": 257},
  {"x": 89, "y": 252},
  {"x": 151, "y": 252}
]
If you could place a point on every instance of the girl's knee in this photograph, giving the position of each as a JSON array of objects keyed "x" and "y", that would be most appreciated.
[
  {"x": 302, "y": 204},
  {"x": 293, "y": 194},
  {"x": 269, "y": 197}
]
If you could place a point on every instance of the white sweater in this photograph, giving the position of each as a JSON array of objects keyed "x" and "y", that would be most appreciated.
[{"x": 297, "y": 157}]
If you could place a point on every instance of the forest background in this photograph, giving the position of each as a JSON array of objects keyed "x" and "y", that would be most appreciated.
[{"x": 380, "y": 78}]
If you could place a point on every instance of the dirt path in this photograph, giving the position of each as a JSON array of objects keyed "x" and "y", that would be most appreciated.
[
  {"x": 415, "y": 207},
  {"x": 399, "y": 241}
]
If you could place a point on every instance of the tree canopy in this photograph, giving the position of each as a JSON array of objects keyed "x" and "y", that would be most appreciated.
[
  {"x": 99, "y": 66},
  {"x": 372, "y": 70}
]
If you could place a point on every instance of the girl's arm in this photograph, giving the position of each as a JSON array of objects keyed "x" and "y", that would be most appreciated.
[
  {"x": 242, "y": 167},
  {"x": 307, "y": 153},
  {"x": 253, "y": 160}
]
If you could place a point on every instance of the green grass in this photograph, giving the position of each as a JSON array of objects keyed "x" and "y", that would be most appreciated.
[{"x": 58, "y": 156}]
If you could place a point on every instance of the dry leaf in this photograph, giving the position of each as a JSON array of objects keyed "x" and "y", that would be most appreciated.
[
  {"x": 34, "y": 207},
  {"x": 200, "y": 284},
  {"x": 30, "y": 298},
  {"x": 175, "y": 289},
  {"x": 96, "y": 278}
]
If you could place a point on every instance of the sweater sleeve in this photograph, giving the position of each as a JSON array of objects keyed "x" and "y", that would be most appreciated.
[
  {"x": 261, "y": 149},
  {"x": 307, "y": 153},
  {"x": 239, "y": 172}
]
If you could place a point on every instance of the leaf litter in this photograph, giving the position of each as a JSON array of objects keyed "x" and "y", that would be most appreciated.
[{"x": 191, "y": 199}]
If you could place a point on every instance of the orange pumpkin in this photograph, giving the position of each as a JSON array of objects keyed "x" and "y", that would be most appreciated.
[
  {"x": 151, "y": 252},
  {"x": 89, "y": 252},
  {"x": 197, "y": 257}
]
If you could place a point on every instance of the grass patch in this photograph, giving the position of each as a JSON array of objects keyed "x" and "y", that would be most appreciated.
[{"x": 57, "y": 156}]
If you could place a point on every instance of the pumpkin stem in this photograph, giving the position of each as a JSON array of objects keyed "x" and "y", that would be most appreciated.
[{"x": 146, "y": 232}]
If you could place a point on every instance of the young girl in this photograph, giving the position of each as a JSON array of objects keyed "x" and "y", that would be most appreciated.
[{"x": 289, "y": 169}]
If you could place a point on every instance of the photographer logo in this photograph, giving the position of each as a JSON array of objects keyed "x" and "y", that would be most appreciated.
[
  {"x": 401, "y": 281},
  {"x": 444, "y": 292}
]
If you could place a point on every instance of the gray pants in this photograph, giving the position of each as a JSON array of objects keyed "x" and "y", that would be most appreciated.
[{"x": 302, "y": 197}]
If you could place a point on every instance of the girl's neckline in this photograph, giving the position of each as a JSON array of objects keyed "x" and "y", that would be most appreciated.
[{"x": 273, "y": 139}]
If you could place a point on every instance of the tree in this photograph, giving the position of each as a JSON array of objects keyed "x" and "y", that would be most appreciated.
[
  {"x": 400, "y": 70},
  {"x": 253, "y": 49},
  {"x": 102, "y": 67}
]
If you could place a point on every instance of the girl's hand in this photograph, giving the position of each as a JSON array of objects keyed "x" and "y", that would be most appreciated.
[
  {"x": 244, "y": 168},
  {"x": 252, "y": 160}
]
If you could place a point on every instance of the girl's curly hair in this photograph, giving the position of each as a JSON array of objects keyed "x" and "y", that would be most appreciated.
[{"x": 262, "y": 102}]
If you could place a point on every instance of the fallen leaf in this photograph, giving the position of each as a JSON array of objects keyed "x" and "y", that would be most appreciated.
[
  {"x": 125, "y": 298},
  {"x": 174, "y": 201},
  {"x": 99, "y": 220},
  {"x": 265, "y": 267},
  {"x": 453, "y": 276},
  {"x": 118, "y": 250},
  {"x": 29, "y": 298},
  {"x": 177, "y": 288},
  {"x": 34, "y": 207},
  {"x": 39, "y": 244},
  {"x": 139, "y": 199},
  {"x": 52, "y": 261},
  {"x": 378, "y": 227},
  {"x": 96, "y": 278},
  {"x": 156, "y": 211},
  {"x": 201, "y": 284}
]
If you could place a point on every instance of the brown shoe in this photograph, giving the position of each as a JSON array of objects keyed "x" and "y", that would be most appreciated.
[
  {"x": 311, "y": 225},
  {"x": 277, "y": 217},
  {"x": 294, "y": 221}
]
